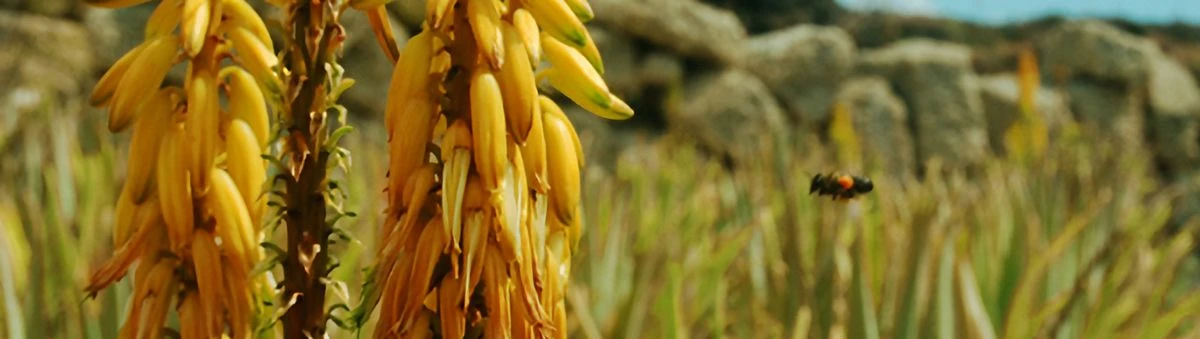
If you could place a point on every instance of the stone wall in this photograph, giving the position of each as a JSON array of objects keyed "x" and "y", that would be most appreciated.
[
  {"x": 697, "y": 70},
  {"x": 50, "y": 60}
]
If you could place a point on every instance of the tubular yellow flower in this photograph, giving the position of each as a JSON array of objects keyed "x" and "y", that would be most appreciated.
[
  {"x": 497, "y": 199},
  {"x": 186, "y": 217}
]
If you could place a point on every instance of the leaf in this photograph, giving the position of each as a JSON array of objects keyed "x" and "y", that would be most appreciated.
[
  {"x": 976, "y": 322},
  {"x": 8, "y": 294},
  {"x": 944, "y": 294},
  {"x": 339, "y": 289},
  {"x": 336, "y": 136},
  {"x": 668, "y": 306},
  {"x": 1188, "y": 307},
  {"x": 1017, "y": 324},
  {"x": 912, "y": 307},
  {"x": 863, "y": 322},
  {"x": 277, "y": 164},
  {"x": 344, "y": 235},
  {"x": 1179, "y": 247}
]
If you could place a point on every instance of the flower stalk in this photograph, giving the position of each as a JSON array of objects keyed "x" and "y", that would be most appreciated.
[{"x": 312, "y": 122}]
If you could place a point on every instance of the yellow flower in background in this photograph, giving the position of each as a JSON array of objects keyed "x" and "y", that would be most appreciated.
[
  {"x": 848, "y": 148},
  {"x": 1028, "y": 137}
]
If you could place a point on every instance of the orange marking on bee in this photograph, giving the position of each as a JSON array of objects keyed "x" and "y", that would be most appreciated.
[{"x": 846, "y": 181}]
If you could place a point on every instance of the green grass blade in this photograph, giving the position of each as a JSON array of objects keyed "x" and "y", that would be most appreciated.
[
  {"x": 863, "y": 322},
  {"x": 1161, "y": 327},
  {"x": 1014, "y": 263},
  {"x": 975, "y": 320},
  {"x": 8, "y": 293},
  {"x": 1021, "y": 310},
  {"x": 944, "y": 321},
  {"x": 1180, "y": 246},
  {"x": 912, "y": 308},
  {"x": 668, "y": 306}
]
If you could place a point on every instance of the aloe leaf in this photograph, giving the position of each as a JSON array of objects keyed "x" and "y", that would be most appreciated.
[
  {"x": 944, "y": 294},
  {"x": 1017, "y": 324},
  {"x": 863, "y": 322},
  {"x": 1161, "y": 327},
  {"x": 975, "y": 320}
]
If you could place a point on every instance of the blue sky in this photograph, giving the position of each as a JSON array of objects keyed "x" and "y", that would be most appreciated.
[{"x": 1003, "y": 11}]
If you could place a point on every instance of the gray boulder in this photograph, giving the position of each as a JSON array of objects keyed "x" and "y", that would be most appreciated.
[
  {"x": 729, "y": 112},
  {"x": 1185, "y": 207},
  {"x": 1094, "y": 48},
  {"x": 1175, "y": 141},
  {"x": 126, "y": 28},
  {"x": 803, "y": 65},
  {"x": 34, "y": 59},
  {"x": 105, "y": 36},
  {"x": 661, "y": 69},
  {"x": 52, "y": 8},
  {"x": 687, "y": 27},
  {"x": 1174, "y": 102},
  {"x": 935, "y": 79},
  {"x": 46, "y": 66},
  {"x": 411, "y": 13},
  {"x": 1001, "y": 105},
  {"x": 1172, "y": 90},
  {"x": 1110, "y": 109},
  {"x": 881, "y": 122},
  {"x": 620, "y": 61},
  {"x": 367, "y": 63}
]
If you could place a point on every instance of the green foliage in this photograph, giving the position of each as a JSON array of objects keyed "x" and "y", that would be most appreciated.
[
  {"x": 57, "y": 189},
  {"x": 1072, "y": 245},
  {"x": 1075, "y": 244}
]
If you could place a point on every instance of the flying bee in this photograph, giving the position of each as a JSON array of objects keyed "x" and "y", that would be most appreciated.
[{"x": 840, "y": 186}]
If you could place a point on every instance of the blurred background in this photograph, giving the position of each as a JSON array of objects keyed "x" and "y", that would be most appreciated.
[{"x": 1035, "y": 167}]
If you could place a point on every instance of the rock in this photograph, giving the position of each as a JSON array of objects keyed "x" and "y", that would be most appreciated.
[
  {"x": 367, "y": 63},
  {"x": 1001, "y": 106},
  {"x": 1186, "y": 206},
  {"x": 661, "y": 69},
  {"x": 52, "y": 8},
  {"x": 358, "y": 29},
  {"x": 1176, "y": 142},
  {"x": 620, "y": 61},
  {"x": 881, "y": 122},
  {"x": 126, "y": 25},
  {"x": 44, "y": 55},
  {"x": 106, "y": 36},
  {"x": 46, "y": 66},
  {"x": 803, "y": 65},
  {"x": 1174, "y": 103},
  {"x": 936, "y": 81},
  {"x": 1110, "y": 109},
  {"x": 769, "y": 15},
  {"x": 1172, "y": 89},
  {"x": 730, "y": 112},
  {"x": 1096, "y": 49},
  {"x": 410, "y": 12},
  {"x": 686, "y": 27}
]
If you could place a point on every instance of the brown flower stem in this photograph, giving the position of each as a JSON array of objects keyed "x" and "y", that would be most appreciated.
[{"x": 314, "y": 30}]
